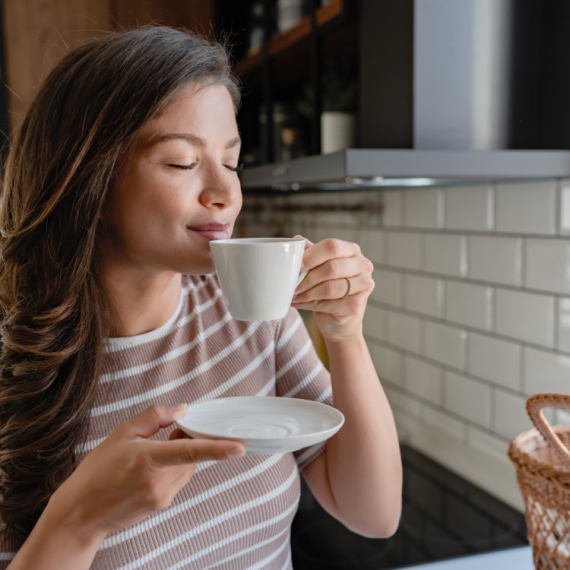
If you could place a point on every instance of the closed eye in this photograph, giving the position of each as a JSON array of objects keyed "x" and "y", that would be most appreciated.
[
  {"x": 237, "y": 168},
  {"x": 183, "y": 166}
]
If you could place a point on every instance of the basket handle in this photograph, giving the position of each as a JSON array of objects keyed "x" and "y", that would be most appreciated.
[{"x": 534, "y": 406}]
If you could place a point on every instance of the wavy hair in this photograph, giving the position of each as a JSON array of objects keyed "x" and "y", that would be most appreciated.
[{"x": 54, "y": 314}]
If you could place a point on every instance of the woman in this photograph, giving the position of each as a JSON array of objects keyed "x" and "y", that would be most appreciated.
[{"x": 125, "y": 167}]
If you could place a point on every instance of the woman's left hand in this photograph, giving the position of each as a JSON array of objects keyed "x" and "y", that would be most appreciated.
[{"x": 336, "y": 288}]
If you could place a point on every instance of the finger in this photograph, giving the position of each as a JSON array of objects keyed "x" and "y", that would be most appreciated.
[
  {"x": 338, "y": 307},
  {"x": 331, "y": 270},
  {"x": 328, "y": 249},
  {"x": 149, "y": 421},
  {"x": 190, "y": 451},
  {"x": 308, "y": 242},
  {"x": 178, "y": 434},
  {"x": 332, "y": 290}
]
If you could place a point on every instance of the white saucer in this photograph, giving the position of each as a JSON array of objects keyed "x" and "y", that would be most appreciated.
[{"x": 264, "y": 424}]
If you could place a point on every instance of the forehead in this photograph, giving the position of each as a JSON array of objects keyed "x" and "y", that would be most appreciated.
[{"x": 206, "y": 112}]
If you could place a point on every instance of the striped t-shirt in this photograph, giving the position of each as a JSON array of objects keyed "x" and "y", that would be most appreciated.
[{"x": 233, "y": 514}]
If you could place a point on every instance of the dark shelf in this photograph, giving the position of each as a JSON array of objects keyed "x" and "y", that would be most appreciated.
[{"x": 324, "y": 16}]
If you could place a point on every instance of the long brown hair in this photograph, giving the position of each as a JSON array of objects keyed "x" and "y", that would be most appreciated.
[{"x": 54, "y": 315}]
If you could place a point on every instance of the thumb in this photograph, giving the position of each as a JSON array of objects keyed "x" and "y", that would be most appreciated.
[
  {"x": 151, "y": 420},
  {"x": 190, "y": 451}
]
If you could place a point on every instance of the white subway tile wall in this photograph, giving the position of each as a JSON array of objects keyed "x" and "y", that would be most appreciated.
[
  {"x": 392, "y": 214},
  {"x": 527, "y": 208},
  {"x": 445, "y": 344},
  {"x": 547, "y": 262},
  {"x": 468, "y": 398},
  {"x": 496, "y": 259},
  {"x": 526, "y": 316},
  {"x": 495, "y": 360},
  {"x": 423, "y": 208},
  {"x": 424, "y": 295},
  {"x": 471, "y": 310},
  {"x": 424, "y": 380},
  {"x": 372, "y": 245},
  {"x": 404, "y": 331},
  {"x": 404, "y": 250},
  {"x": 388, "y": 287},
  {"x": 388, "y": 363},
  {"x": 470, "y": 208},
  {"x": 468, "y": 304},
  {"x": 446, "y": 254},
  {"x": 563, "y": 324}
]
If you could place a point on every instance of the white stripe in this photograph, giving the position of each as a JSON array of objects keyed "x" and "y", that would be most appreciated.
[
  {"x": 164, "y": 516},
  {"x": 134, "y": 370},
  {"x": 285, "y": 338},
  {"x": 89, "y": 445},
  {"x": 258, "y": 501},
  {"x": 7, "y": 555},
  {"x": 287, "y": 562},
  {"x": 263, "y": 563},
  {"x": 295, "y": 359},
  {"x": 239, "y": 535},
  {"x": 239, "y": 376},
  {"x": 305, "y": 455},
  {"x": 306, "y": 381},
  {"x": 325, "y": 395},
  {"x": 151, "y": 394},
  {"x": 120, "y": 343},
  {"x": 267, "y": 388}
]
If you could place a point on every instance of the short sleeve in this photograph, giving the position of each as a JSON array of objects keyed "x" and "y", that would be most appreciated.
[{"x": 299, "y": 373}]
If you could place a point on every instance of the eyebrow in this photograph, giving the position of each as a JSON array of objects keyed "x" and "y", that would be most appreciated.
[{"x": 191, "y": 139}]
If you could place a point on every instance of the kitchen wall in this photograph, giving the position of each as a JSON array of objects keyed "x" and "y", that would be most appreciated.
[
  {"x": 38, "y": 33},
  {"x": 471, "y": 310}
]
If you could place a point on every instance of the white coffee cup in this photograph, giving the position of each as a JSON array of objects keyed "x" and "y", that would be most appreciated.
[{"x": 258, "y": 275}]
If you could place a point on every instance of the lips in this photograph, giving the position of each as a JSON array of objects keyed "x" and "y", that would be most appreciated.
[{"x": 212, "y": 231}]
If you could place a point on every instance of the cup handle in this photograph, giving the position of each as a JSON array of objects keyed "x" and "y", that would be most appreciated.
[{"x": 301, "y": 277}]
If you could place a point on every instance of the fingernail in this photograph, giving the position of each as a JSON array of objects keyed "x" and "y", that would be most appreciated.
[
  {"x": 236, "y": 452},
  {"x": 179, "y": 411}
]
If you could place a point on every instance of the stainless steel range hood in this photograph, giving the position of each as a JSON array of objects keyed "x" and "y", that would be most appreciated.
[
  {"x": 448, "y": 92},
  {"x": 373, "y": 167}
]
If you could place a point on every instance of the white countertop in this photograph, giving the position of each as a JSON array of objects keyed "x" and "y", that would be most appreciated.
[{"x": 519, "y": 558}]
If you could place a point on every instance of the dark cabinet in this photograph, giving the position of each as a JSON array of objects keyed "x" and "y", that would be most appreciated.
[{"x": 291, "y": 56}]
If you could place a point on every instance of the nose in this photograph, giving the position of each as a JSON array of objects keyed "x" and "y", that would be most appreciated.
[{"x": 221, "y": 188}]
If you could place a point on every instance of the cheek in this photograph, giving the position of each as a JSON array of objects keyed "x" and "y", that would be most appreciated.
[{"x": 155, "y": 195}]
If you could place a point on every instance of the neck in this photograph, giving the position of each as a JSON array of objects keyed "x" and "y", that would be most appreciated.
[{"x": 141, "y": 303}]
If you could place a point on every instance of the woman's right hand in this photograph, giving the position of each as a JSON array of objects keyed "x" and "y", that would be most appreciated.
[{"x": 128, "y": 476}]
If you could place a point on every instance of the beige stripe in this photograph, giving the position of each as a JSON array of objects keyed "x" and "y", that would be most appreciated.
[
  {"x": 298, "y": 356},
  {"x": 141, "y": 368},
  {"x": 212, "y": 522},
  {"x": 272, "y": 556},
  {"x": 239, "y": 376},
  {"x": 290, "y": 331},
  {"x": 121, "y": 343},
  {"x": 151, "y": 394},
  {"x": 306, "y": 381},
  {"x": 164, "y": 516},
  {"x": 250, "y": 530}
]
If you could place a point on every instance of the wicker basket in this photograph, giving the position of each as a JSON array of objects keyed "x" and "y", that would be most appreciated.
[{"x": 542, "y": 461}]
